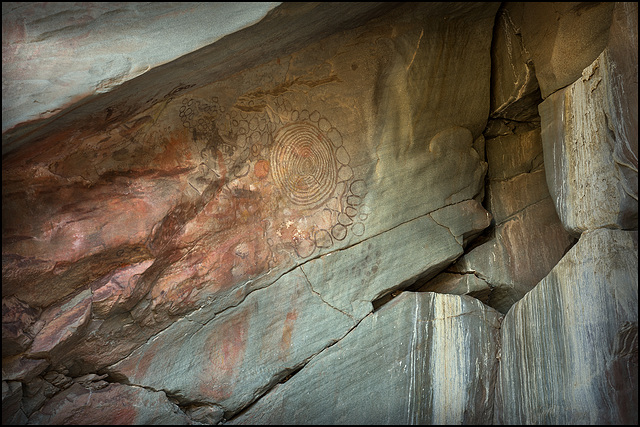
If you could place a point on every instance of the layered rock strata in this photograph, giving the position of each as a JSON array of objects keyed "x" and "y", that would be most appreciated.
[{"x": 231, "y": 237}]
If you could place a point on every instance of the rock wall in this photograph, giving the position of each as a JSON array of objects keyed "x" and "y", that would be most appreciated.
[{"x": 421, "y": 216}]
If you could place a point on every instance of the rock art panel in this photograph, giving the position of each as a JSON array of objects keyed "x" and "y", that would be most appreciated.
[
  {"x": 411, "y": 362},
  {"x": 171, "y": 226},
  {"x": 568, "y": 345},
  {"x": 229, "y": 360}
]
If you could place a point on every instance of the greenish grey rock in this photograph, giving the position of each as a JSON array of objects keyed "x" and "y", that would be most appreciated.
[
  {"x": 513, "y": 154},
  {"x": 568, "y": 346},
  {"x": 513, "y": 261},
  {"x": 507, "y": 197},
  {"x": 245, "y": 350},
  {"x": 562, "y": 38},
  {"x": 591, "y": 169},
  {"x": 458, "y": 284},
  {"x": 352, "y": 278},
  {"x": 514, "y": 87},
  {"x": 412, "y": 362}
]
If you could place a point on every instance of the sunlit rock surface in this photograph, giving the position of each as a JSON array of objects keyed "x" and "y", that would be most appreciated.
[{"x": 591, "y": 156}]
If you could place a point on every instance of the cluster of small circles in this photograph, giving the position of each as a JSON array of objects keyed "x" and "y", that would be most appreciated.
[
  {"x": 200, "y": 116},
  {"x": 300, "y": 150}
]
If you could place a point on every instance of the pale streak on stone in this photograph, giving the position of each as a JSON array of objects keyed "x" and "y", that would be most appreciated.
[
  {"x": 448, "y": 385},
  {"x": 558, "y": 341}
]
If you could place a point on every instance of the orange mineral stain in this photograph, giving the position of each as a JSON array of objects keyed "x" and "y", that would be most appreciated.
[{"x": 261, "y": 169}]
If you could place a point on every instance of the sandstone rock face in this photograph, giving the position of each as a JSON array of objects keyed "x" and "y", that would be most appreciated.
[
  {"x": 215, "y": 361},
  {"x": 590, "y": 153},
  {"x": 569, "y": 347},
  {"x": 411, "y": 340},
  {"x": 511, "y": 261},
  {"x": 562, "y": 38},
  {"x": 264, "y": 230},
  {"x": 115, "y": 404},
  {"x": 425, "y": 246},
  {"x": 514, "y": 87}
]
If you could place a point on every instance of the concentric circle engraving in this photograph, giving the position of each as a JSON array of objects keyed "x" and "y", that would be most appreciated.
[
  {"x": 304, "y": 164},
  {"x": 293, "y": 160}
]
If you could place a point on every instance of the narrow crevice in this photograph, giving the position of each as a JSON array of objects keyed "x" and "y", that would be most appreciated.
[{"x": 378, "y": 303}]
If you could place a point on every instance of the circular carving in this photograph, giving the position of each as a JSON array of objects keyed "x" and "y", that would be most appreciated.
[{"x": 303, "y": 164}]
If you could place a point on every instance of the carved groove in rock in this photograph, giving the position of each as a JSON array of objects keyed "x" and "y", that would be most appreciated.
[
  {"x": 304, "y": 165},
  {"x": 300, "y": 153}
]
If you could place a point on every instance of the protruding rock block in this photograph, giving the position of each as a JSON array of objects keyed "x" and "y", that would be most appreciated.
[
  {"x": 412, "y": 362},
  {"x": 514, "y": 86},
  {"x": 514, "y": 261},
  {"x": 114, "y": 404},
  {"x": 590, "y": 160},
  {"x": 570, "y": 346},
  {"x": 459, "y": 284},
  {"x": 561, "y": 37},
  {"x": 352, "y": 278}
]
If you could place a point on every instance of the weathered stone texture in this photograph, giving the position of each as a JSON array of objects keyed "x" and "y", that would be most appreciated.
[
  {"x": 353, "y": 278},
  {"x": 569, "y": 347},
  {"x": 238, "y": 232},
  {"x": 115, "y": 404},
  {"x": 562, "y": 37},
  {"x": 219, "y": 186},
  {"x": 241, "y": 352},
  {"x": 510, "y": 260},
  {"x": 591, "y": 164},
  {"x": 515, "y": 93},
  {"x": 412, "y": 362},
  {"x": 514, "y": 260},
  {"x": 78, "y": 40}
]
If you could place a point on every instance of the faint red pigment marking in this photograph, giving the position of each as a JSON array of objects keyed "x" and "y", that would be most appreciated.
[
  {"x": 287, "y": 331},
  {"x": 261, "y": 169},
  {"x": 139, "y": 370},
  {"x": 175, "y": 152},
  {"x": 226, "y": 347},
  {"x": 215, "y": 266}
]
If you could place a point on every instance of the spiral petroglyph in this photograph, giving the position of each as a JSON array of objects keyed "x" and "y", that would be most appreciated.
[
  {"x": 304, "y": 164},
  {"x": 295, "y": 155}
]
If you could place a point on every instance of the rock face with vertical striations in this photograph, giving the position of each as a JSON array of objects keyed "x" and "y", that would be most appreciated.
[
  {"x": 419, "y": 345},
  {"x": 570, "y": 346},
  {"x": 509, "y": 261},
  {"x": 591, "y": 155}
]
